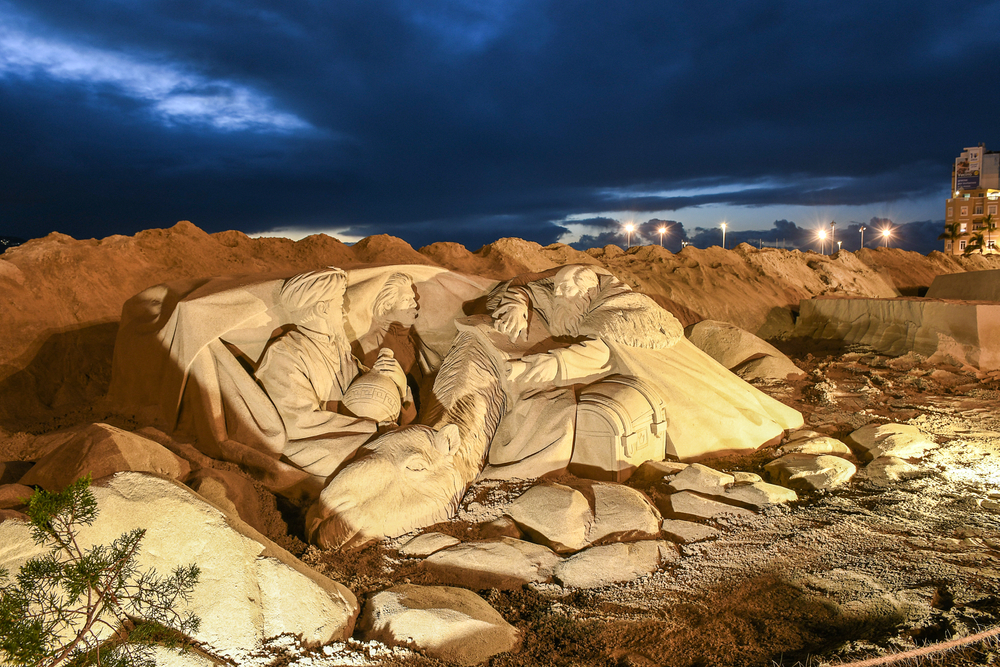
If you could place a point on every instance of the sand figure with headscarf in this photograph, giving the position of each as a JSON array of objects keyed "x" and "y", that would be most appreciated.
[{"x": 307, "y": 371}]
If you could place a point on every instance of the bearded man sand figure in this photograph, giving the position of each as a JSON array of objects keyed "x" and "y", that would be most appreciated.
[
  {"x": 607, "y": 329},
  {"x": 307, "y": 371}
]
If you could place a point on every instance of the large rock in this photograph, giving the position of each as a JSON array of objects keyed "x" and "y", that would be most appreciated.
[
  {"x": 966, "y": 331},
  {"x": 249, "y": 589},
  {"x": 653, "y": 472},
  {"x": 614, "y": 563},
  {"x": 885, "y": 470},
  {"x": 232, "y": 492},
  {"x": 693, "y": 507},
  {"x": 806, "y": 472},
  {"x": 14, "y": 495},
  {"x": 425, "y": 544},
  {"x": 742, "y": 352},
  {"x": 12, "y": 471},
  {"x": 723, "y": 486},
  {"x": 622, "y": 514},
  {"x": 554, "y": 515},
  {"x": 901, "y": 441},
  {"x": 503, "y": 563},
  {"x": 967, "y": 286},
  {"x": 103, "y": 450},
  {"x": 687, "y": 532},
  {"x": 450, "y": 624},
  {"x": 821, "y": 444}
]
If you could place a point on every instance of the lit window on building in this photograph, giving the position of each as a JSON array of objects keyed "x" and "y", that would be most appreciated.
[
  {"x": 951, "y": 211},
  {"x": 964, "y": 211},
  {"x": 963, "y": 228}
]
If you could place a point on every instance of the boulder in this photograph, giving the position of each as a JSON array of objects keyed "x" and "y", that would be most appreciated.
[
  {"x": 249, "y": 588},
  {"x": 723, "y": 486},
  {"x": 888, "y": 469},
  {"x": 614, "y": 563},
  {"x": 622, "y": 514},
  {"x": 693, "y": 507},
  {"x": 503, "y": 563},
  {"x": 742, "y": 352},
  {"x": 232, "y": 492},
  {"x": 102, "y": 450},
  {"x": 898, "y": 440},
  {"x": 652, "y": 472},
  {"x": 806, "y": 472},
  {"x": 687, "y": 532},
  {"x": 554, "y": 515},
  {"x": 451, "y": 624},
  {"x": 14, "y": 495},
  {"x": 424, "y": 545},
  {"x": 822, "y": 444}
]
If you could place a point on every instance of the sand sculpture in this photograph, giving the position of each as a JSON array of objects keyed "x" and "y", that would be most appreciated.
[{"x": 568, "y": 369}]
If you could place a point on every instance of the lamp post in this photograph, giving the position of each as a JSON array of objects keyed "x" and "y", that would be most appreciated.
[
  {"x": 839, "y": 245},
  {"x": 723, "y": 236},
  {"x": 833, "y": 233},
  {"x": 862, "y": 237},
  {"x": 629, "y": 229},
  {"x": 885, "y": 237},
  {"x": 822, "y": 240},
  {"x": 662, "y": 230}
]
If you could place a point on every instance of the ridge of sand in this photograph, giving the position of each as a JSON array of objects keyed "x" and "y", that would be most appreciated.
[{"x": 62, "y": 297}]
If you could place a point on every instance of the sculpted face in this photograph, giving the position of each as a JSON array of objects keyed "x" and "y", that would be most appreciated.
[
  {"x": 406, "y": 309},
  {"x": 404, "y": 480}
]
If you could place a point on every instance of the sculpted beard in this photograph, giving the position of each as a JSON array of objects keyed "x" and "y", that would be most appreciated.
[{"x": 567, "y": 314}]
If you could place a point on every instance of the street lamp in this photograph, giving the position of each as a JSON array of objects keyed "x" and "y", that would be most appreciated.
[
  {"x": 839, "y": 245},
  {"x": 723, "y": 236},
  {"x": 662, "y": 230},
  {"x": 629, "y": 229},
  {"x": 885, "y": 237},
  {"x": 822, "y": 240},
  {"x": 862, "y": 236},
  {"x": 833, "y": 232}
]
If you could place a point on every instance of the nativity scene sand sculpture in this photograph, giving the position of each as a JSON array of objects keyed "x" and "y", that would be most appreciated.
[{"x": 565, "y": 370}]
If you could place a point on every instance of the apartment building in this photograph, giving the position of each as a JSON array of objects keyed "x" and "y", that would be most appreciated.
[{"x": 975, "y": 190}]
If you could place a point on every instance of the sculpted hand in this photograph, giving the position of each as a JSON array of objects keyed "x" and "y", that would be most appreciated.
[
  {"x": 511, "y": 319},
  {"x": 387, "y": 365},
  {"x": 541, "y": 368}
]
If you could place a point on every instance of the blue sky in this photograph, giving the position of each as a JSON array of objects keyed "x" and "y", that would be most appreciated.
[{"x": 468, "y": 120}]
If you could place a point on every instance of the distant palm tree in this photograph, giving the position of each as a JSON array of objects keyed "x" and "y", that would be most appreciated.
[
  {"x": 977, "y": 242},
  {"x": 952, "y": 232},
  {"x": 990, "y": 225}
]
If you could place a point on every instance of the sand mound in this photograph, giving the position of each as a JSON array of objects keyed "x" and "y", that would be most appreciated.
[{"x": 62, "y": 297}]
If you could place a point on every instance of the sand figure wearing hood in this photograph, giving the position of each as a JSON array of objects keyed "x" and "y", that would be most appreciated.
[
  {"x": 306, "y": 372},
  {"x": 602, "y": 328}
]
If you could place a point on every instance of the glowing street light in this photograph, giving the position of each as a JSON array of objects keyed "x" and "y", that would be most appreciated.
[
  {"x": 838, "y": 245},
  {"x": 662, "y": 230},
  {"x": 629, "y": 228},
  {"x": 886, "y": 233},
  {"x": 822, "y": 240},
  {"x": 723, "y": 236},
  {"x": 862, "y": 236}
]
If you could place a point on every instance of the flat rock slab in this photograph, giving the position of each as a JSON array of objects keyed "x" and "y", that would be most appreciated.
[
  {"x": 249, "y": 589},
  {"x": 424, "y": 545},
  {"x": 687, "y": 532},
  {"x": 101, "y": 450},
  {"x": 12, "y": 471},
  {"x": 614, "y": 563},
  {"x": 770, "y": 369},
  {"x": 822, "y": 444},
  {"x": 807, "y": 472},
  {"x": 503, "y": 563},
  {"x": 749, "y": 356},
  {"x": 724, "y": 487},
  {"x": 693, "y": 507},
  {"x": 622, "y": 514},
  {"x": 450, "y": 624},
  {"x": 554, "y": 515},
  {"x": 901, "y": 441}
]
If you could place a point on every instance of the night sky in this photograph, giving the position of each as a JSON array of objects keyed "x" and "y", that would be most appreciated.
[{"x": 472, "y": 120}]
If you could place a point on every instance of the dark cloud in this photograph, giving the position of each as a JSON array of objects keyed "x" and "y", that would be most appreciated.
[{"x": 466, "y": 121}]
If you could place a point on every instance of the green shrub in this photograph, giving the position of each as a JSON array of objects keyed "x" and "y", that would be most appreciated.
[{"x": 78, "y": 606}]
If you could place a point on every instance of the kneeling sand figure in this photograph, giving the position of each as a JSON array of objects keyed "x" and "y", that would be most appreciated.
[
  {"x": 306, "y": 373},
  {"x": 416, "y": 476}
]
